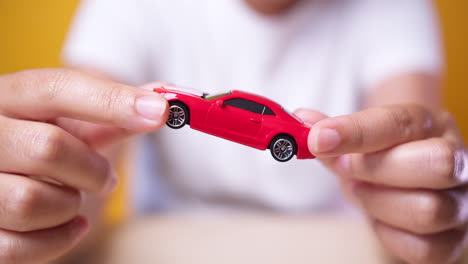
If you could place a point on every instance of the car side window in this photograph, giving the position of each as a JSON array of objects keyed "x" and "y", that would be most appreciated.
[
  {"x": 245, "y": 105},
  {"x": 268, "y": 111}
]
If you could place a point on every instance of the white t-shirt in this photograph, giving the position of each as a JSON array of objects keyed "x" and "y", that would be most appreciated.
[{"x": 322, "y": 54}]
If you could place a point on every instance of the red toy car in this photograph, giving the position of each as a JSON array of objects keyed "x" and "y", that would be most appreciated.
[{"x": 241, "y": 117}]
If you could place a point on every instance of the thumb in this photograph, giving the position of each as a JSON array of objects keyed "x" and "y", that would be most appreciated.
[
  {"x": 98, "y": 135},
  {"x": 338, "y": 165},
  {"x": 309, "y": 116},
  {"x": 150, "y": 86}
]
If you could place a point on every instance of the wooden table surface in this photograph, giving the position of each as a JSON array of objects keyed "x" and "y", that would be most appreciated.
[{"x": 228, "y": 238}]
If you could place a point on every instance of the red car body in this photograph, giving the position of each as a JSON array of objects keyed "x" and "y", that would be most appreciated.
[{"x": 241, "y": 117}]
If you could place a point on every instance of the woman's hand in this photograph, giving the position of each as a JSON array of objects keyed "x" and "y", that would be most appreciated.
[
  {"x": 51, "y": 122},
  {"x": 407, "y": 168}
]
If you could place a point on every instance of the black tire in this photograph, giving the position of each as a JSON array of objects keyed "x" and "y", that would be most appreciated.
[
  {"x": 179, "y": 115},
  {"x": 283, "y": 148}
]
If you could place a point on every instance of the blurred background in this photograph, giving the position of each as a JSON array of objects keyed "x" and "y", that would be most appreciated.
[{"x": 32, "y": 34}]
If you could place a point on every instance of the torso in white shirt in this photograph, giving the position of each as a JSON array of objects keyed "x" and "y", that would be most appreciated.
[{"x": 318, "y": 55}]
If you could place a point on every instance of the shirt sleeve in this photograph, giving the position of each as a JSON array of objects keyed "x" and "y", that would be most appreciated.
[
  {"x": 398, "y": 36},
  {"x": 108, "y": 36}
]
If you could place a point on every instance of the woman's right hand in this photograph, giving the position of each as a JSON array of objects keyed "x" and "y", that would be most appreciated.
[{"x": 51, "y": 123}]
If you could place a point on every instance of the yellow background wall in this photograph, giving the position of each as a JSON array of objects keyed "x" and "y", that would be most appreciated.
[
  {"x": 454, "y": 14},
  {"x": 31, "y": 36},
  {"x": 32, "y": 33}
]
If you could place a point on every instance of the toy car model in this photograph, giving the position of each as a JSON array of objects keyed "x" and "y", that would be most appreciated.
[{"x": 241, "y": 117}]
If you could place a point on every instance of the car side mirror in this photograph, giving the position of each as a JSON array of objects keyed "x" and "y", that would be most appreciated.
[{"x": 220, "y": 103}]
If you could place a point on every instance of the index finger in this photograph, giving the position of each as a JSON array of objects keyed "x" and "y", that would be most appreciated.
[
  {"x": 373, "y": 130},
  {"x": 46, "y": 94}
]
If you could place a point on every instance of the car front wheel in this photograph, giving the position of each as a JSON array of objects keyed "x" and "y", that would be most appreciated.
[
  {"x": 283, "y": 148},
  {"x": 178, "y": 115}
]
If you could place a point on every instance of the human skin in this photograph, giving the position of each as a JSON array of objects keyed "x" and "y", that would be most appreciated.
[
  {"x": 271, "y": 7},
  {"x": 403, "y": 163},
  {"x": 53, "y": 123}
]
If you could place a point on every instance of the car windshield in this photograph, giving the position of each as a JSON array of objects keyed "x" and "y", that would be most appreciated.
[{"x": 216, "y": 96}]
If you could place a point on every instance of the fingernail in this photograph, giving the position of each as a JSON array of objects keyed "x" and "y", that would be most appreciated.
[
  {"x": 111, "y": 183},
  {"x": 349, "y": 187},
  {"x": 326, "y": 140},
  {"x": 353, "y": 192},
  {"x": 79, "y": 225},
  {"x": 354, "y": 187},
  {"x": 150, "y": 107},
  {"x": 343, "y": 163},
  {"x": 307, "y": 123}
]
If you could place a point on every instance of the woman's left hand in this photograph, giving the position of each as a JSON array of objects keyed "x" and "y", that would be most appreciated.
[{"x": 407, "y": 168}]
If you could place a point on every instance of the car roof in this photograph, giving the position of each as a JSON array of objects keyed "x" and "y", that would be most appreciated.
[{"x": 257, "y": 98}]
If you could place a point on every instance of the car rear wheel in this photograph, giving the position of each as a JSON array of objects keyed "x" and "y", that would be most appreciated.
[
  {"x": 178, "y": 115},
  {"x": 283, "y": 148}
]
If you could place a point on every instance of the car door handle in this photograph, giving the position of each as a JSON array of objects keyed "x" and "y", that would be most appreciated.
[{"x": 255, "y": 120}]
